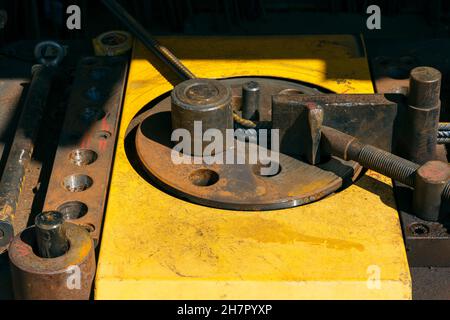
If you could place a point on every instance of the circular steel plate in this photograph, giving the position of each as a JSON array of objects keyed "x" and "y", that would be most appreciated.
[{"x": 235, "y": 186}]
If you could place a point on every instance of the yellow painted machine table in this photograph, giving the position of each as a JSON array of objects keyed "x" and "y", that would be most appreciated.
[{"x": 155, "y": 246}]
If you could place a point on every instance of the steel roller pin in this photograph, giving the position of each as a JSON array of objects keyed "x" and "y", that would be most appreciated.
[{"x": 50, "y": 234}]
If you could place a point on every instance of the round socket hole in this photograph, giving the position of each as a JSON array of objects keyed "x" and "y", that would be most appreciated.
[
  {"x": 291, "y": 91},
  {"x": 92, "y": 114},
  {"x": 103, "y": 135},
  {"x": 89, "y": 227},
  {"x": 82, "y": 157},
  {"x": 77, "y": 182},
  {"x": 418, "y": 229},
  {"x": 204, "y": 177},
  {"x": 73, "y": 210},
  {"x": 269, "y": 170}
]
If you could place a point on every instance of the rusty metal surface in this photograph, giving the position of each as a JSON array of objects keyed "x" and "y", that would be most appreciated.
[
  {"x": 13, "y": 85},
  {"x": 350, "y": 148},
  {"x": 427, "y": 243},
  {"x": 237, "y": 186},
  {"x": 369, "y": 117},
  {"x": 434, "y": 173},
  {"x": 430, "y": 283},
  {"x": 201, "y": 101},
  {"x": 16, "y": 75},
  {"x": 420, "y": 118},
  {"x": 19, "y": 157},
  {"x": 11, "y": 91},
  {"x": 82, "y": 164},
  {"x": 430, "y": 181},
  {"x": 36, "y": 278},
  {"x": 51, "y": 236}
]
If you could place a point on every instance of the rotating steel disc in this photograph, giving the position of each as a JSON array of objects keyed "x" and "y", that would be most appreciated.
[{"x": 236, "y": 186}]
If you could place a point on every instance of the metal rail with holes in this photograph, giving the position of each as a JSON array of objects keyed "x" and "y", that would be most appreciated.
[{"x": 81, "y": 170}]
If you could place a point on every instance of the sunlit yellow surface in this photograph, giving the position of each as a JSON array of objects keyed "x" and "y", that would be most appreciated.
[{"x": 155, "y": 246}]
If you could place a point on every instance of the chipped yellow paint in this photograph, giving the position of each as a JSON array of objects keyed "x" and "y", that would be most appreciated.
[{"x": 155, "y": 246}]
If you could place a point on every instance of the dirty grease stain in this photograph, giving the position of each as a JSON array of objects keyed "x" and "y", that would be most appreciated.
[{"x": 270, "y": 231}]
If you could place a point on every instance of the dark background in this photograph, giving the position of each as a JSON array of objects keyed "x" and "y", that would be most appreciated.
[{"x": 35, "y": 19}]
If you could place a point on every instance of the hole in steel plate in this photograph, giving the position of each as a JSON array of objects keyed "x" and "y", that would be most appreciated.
[
  {"x": 73, "y": 210},
  {"x": 291, "y": 91},
  {"x": 92, "y": 114},
  {"x": 204, "y": 177},
  {"x": 89, "y": 227},
  {"x": 269, "y": 170},
  {"x": 77, "y": 182},
  {"x": 82, "y": 157},
  {"x": 418, "y": 229},
  {"x": 103, "y": 135}
]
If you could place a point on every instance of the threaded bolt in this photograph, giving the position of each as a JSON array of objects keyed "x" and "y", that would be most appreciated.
[
  {"x": 392, "y": 166},
  {"x": 388, "y": 164},
  {"x": 446, "y": 192},
  {"x": 348, "y": 147}
]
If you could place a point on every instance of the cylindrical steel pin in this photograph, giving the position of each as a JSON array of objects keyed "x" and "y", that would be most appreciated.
[
  {"x": 430, "y": 181},
  {"x": 250, "y": 99},
  {"x": 422, "y": 118},
  {"x": 199, "y": 105},
  {"x": 424, "y": 87},
  {"x": 50, "y": 233}
]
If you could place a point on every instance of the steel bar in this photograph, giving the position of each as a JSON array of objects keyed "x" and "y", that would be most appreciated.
[
  {"x": 443, "y": 140},
  {"x": 146, "y": 38},
  {"x": 159, "y": 50},
  {"x": 21, "y": 151},
  {"x": 350, "y": 148},
  {"x": 444, "y": 126}
]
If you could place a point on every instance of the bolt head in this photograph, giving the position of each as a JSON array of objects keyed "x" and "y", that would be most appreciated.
[
  {"x": 49, "y": 220},
  {"x": 434, "y": 172},
  {"x": 201, "y": 92},
  {"x": 425, "y": 75},
  {"x": 251, "y": 86}
]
